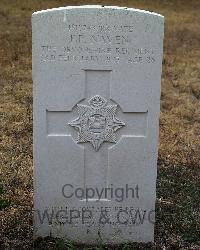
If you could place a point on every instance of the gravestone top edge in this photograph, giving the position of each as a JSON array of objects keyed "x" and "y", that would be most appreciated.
[{"x": 98, "y": 7}]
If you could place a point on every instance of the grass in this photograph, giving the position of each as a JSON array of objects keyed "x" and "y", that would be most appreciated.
[
  {"x": 3, "y": 203},
  {"x": 178, "y": 194}
]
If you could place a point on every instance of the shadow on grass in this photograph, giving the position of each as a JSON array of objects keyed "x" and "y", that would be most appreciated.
[
  {"x": 59, "y": 244},
  {"x": 3, "y": 202}
]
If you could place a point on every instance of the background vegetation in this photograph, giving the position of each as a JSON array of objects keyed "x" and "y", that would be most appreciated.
[{"x": 178, "y": 189}]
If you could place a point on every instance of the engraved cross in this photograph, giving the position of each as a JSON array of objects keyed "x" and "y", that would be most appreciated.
[{"x": 98, "y": 123}]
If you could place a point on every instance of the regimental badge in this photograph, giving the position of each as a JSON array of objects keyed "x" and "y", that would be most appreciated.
[{"x": 97, "y": 122}]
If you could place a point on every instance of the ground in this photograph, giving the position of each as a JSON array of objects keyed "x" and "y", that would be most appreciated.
[{"x": 178, "y": 193}]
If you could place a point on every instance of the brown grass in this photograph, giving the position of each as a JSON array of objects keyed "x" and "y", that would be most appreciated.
[{"x": 178, "y": 223}]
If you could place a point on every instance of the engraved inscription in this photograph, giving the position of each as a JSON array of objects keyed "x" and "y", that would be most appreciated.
[
  {"x": 73, "y": 52},
  {"x": 95, "y": 39},
  {"x": 98, "y": 44},
  {"x": 100, "y": 28},
  {"x": 97, "y": 122}
]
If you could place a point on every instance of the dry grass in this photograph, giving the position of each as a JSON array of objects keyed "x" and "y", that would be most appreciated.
[{"x": 178, "y": 222}]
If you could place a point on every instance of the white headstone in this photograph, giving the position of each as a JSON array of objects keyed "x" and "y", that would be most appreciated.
[{"x": 96, "y": 75}]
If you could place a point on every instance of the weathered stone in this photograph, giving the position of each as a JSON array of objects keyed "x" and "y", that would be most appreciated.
[{"x": 96, "y": 75}]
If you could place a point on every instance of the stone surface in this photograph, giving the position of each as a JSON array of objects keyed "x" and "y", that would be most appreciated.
[{"x": 96, "y": 75}]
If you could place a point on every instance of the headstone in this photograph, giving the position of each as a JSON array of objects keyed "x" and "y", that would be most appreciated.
[{"x": 96, "y": 88}]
